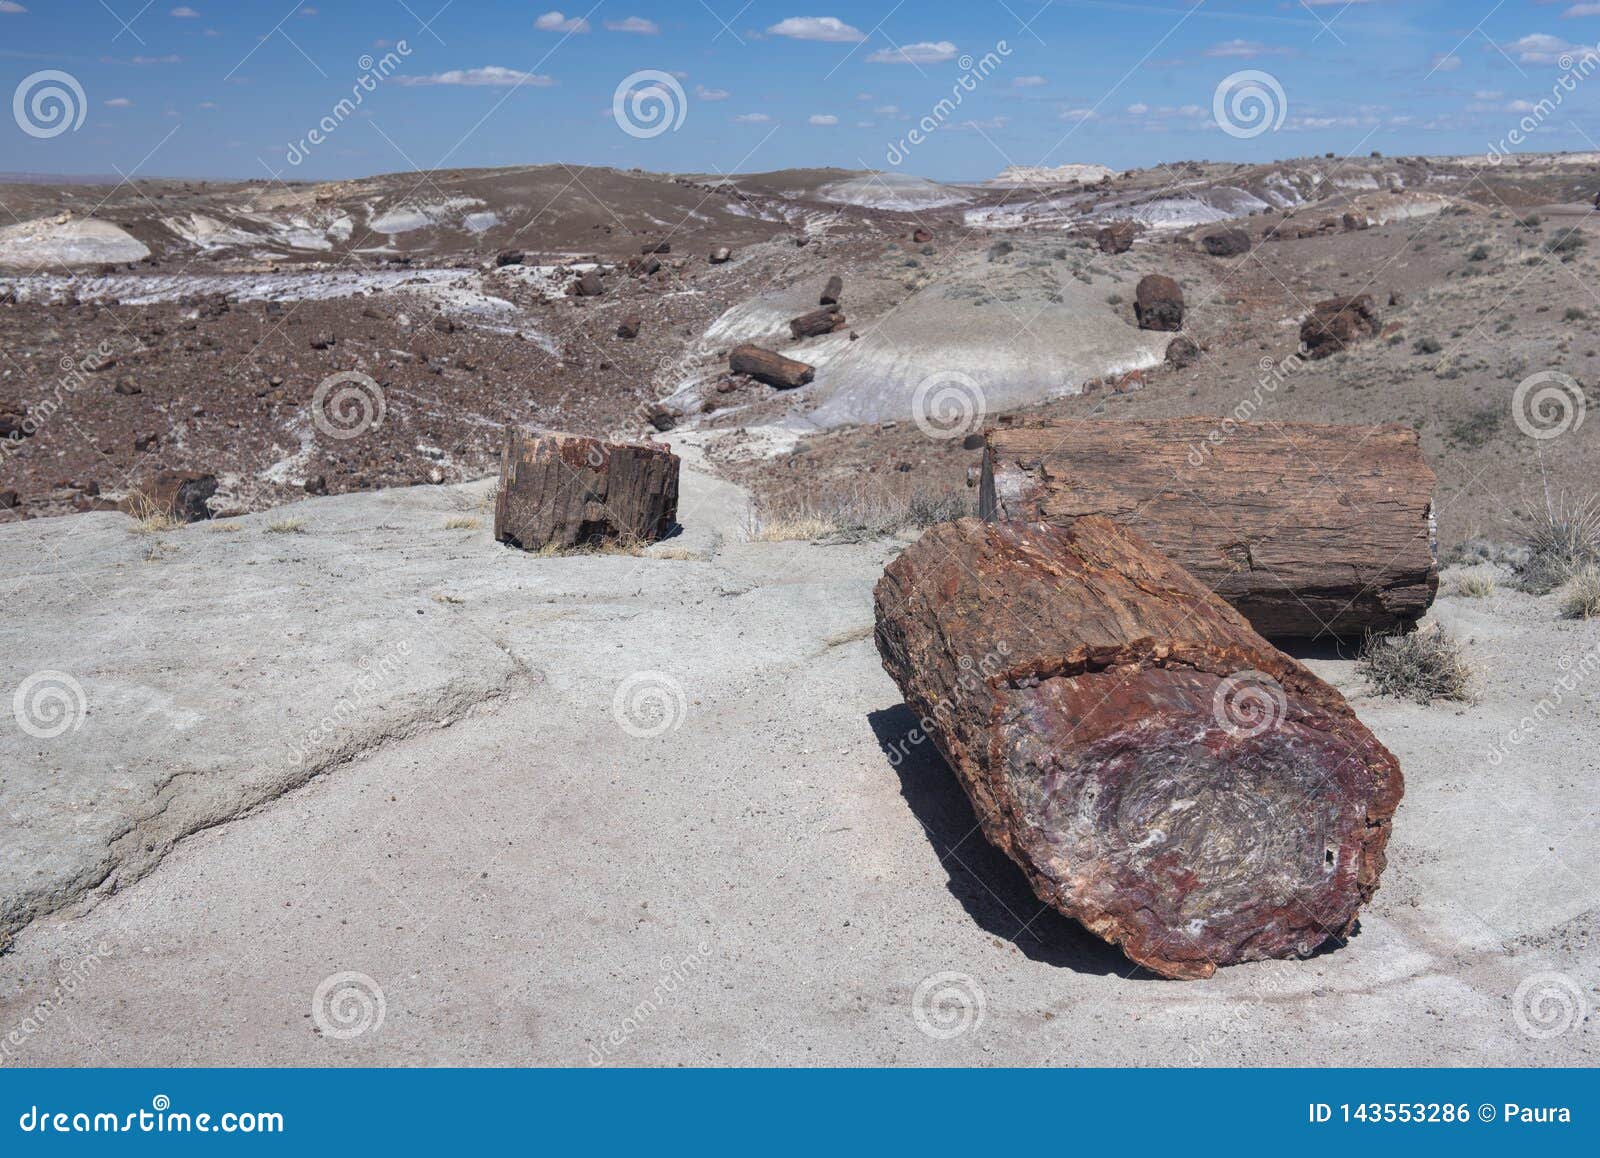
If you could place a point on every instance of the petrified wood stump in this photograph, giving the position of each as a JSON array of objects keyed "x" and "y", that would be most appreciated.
[
  {"x": 809, "y": 325},
  {"x": 1307, "y": 530},
  {"x": 565, "y": 490},
  {"x": 1158, "y": 771}
]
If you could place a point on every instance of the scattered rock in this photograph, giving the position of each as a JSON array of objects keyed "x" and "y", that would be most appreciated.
[
  {"x": 1117, "y": 237},
  {"x": 662, "y": 417},
  {"x": 587, "y": 286},
  {"x": 8, "y": 500},
  {"x": 323, "y": 341},
  {"x": 720, "y": 255},
  {"x": 508, "y": 257},
  {"x": 1226, "y": 242},
  {"x": 144, "y": 443},
  {"x": 656, "y": 247},
  {"x": 1338, "y": 323},
  {"x": 1158, "y": 303},
  {"x": 1181, "y": 352},
  {"x": 921, "y": 236},
  {"x": 629, "y": 327},
  {"x": 831, "y": 291},
  {"x": 316, "y": 485}
]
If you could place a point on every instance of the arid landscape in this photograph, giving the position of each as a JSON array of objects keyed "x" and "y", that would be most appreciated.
[{"x": 297, "y": 720}]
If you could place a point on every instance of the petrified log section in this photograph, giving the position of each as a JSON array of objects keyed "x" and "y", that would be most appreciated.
[
  {"x": 809, "y": 325},
  {"x": 1307, "y": 530},
  {"x": 831, "y": 291},
  {"x": 565, "y": 490},
  {"x": 1159, "y": 771},
  {"x": 766, "y": 366}
]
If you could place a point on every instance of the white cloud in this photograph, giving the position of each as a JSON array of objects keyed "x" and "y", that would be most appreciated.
[
  {"x": 1540, "y": 48},
  {"x": 489, "y": 76},
  {"x": 923, "y": 52},
  {"x": 119, "y": 103},
  {"x": 1079, "y": 115},
  {"x": 711, "y": 94},
  {"x": 11, "y": 7},
  {"x": 1244, "y": 49},
  {"x": 1520, "y": 107},
  {"x": 887, "y": 110},
  {"x": 635, "y": 24},
  {"x": 1446, "y": 63},
  {"x": 558, "y": 22},
  {"x": 827, "y": 28},
  {"x": 752, "y": 119},
  {"x": 1028, "y": 82},
  {"x": 824, "y": 119},
  {"x": 185, "y": 13},
  {"x": 170, "y": 58},
  {"x": 1583, "y": 10},
  {"x": 1139, "y": 109}
]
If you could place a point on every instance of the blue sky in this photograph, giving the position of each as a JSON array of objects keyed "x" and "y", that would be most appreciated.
[{"x": 213, "y": 89}]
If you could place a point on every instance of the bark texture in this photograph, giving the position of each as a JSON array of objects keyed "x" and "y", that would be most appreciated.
[
  {"x": 565, "y": 490},
  {"x": 1308, "y": 530},
  {"x": 1159, "y": 772}
]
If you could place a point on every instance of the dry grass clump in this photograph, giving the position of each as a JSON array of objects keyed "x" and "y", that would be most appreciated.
[
  {"x": 1423, "y": 666},
  {"x": 1562, "y": 540},
  {"x": 150, "y": 518},
  {"x": 1581, "y": 599},
  {"x": 1477, "y": 585},
  {"x": 290, "y": 526},
  {"x": 462, "y": 523},
  {"x": 614, "y": 545}
]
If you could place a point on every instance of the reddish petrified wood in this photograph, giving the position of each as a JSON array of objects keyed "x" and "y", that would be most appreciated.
[
  {"x": 1307, "y": 530},
  {"x": 565, "y": 490},
  {"x": 1159, "y": 771}
]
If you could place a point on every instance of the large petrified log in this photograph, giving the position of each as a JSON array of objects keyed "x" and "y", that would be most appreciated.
[
  {"x": 565, "y": 490},
  {"x": 1159, "y": 771},
  {"x": 769, "y": 367},
  {"x": 1307, "y": 530}
]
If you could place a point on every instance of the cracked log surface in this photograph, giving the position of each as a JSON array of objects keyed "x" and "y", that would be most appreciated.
[
  {"x": 566, "y": 490},
  {"x": 1158, "y": 770},
  {"x": 1306, "y": 529}
]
